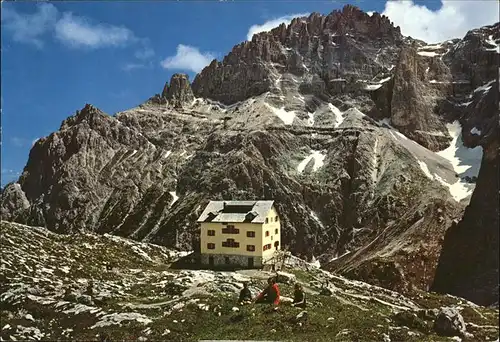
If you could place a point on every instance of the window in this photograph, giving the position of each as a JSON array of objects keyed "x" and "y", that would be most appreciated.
[
  {"x": 276, "y": 231},
  {"x": 276, "y": 219},
  {"x": 211, "y": 232},
  {"x": 210, "y": 245},
  {"x": 266, "y": 247},
  {"x": 276, "y": 244},
  {"x": 251, "y": 248},
  {"x": 230, "y": 243},
  {"x": 250, "y": 234},
  {"x": 267, "y": 220},
  {"x": 230, "y": 230},
  {"x": 267, "y": 232}
]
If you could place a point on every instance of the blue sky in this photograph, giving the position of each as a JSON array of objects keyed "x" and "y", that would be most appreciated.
[{"x": 56, "y": 57}]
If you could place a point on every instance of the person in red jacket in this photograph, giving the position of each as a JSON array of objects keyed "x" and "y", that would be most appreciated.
[{"x": 270, "y": 295}]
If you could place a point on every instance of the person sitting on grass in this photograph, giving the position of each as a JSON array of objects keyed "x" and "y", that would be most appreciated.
[
  {"x": 245, "y": 295},
  {"x": 270, "y": 295},
  {"x": 299, "y": 296}
]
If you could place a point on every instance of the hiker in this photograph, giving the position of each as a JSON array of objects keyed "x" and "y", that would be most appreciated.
[
  {"x": 270, "y": 295},
  {"x": 299, "y": 296},
  {"x": 245, "y": 295}
]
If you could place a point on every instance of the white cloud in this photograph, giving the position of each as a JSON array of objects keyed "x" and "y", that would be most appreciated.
[
  {"x": 269, "y": 25},
  {"x": 29, "y": 28},
  {"x": 188, "y": 58},
  {"x": 144, "y": 53},
  {"x": 135, "y": 66},
  {"x": 452, "y": 20},
  {"x": 72, "y": 30},
  {"x": 80, "y": 32}
]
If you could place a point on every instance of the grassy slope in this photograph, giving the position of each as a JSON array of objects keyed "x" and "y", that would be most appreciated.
[{"x": 33, "y": 263}]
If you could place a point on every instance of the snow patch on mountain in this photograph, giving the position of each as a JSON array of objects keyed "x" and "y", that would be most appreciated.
[
  {"x": 310, "y": 120},
  {"x": 485, "y": 87},
  {"x": 338, "y": 115},
  {"x": 286, "y": 116},
  {"x": 492, "y": 42},
  {"x": 175, "y": 197},
  {"x": 373, "y": 86},
  {"x": 475, "y": 131},
  {"x": 432, "y": 47},
  {"x": 425, "y": 169},
  {"x": 316, "y": 218},
  {"x": 465, "y": 161},
  {"x": 317, "y": 156},
  {"x": 375, "y": 160},
  {"x": 428, "y": 53}
]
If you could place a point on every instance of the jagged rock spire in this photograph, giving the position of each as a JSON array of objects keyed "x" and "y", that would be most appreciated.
[{"x": 179, "y": 91}]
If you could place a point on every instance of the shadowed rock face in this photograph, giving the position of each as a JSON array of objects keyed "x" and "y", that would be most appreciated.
[
  {"x": 468, "y": 265},
  {"x": 411, "y": 111},
  {"x": 334, "y": 117}
]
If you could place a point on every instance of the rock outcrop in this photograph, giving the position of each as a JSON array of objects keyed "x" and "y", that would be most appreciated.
[
  {"x": 342, "y": 45},
  {"x": 411, "y": 109},
  {"x": 449, "y": 322},
  {"x": 179, "y": 91}
]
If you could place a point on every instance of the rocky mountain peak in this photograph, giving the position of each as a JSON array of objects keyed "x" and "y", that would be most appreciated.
[
  {"x": 179, "y": 91},
  {"x": 309, "y": 47},
  {"x": 85, "y": 114}
]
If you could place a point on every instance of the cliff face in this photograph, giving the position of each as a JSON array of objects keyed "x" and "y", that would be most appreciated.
[
  {"x": 468, "y": 265},
  {"x": 343, "y": 44},
  {"x": 356, "y": 132},
  {"x": 469, "y": 262}
]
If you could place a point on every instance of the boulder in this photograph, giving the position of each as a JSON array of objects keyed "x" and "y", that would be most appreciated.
[
  {"x": 449, "y": 322},
  {"x": 411, "y": 320},
  {"x": 284, "y": 277},
  {"x": 326, "y": 292}
]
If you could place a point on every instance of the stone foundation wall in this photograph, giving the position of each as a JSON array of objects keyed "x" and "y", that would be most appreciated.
[{"x": 239, "y": 260}]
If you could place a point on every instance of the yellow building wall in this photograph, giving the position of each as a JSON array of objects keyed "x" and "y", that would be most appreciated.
[
  {"x": 272, "y": 225},
  {"x": 241, "y": 238}
]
